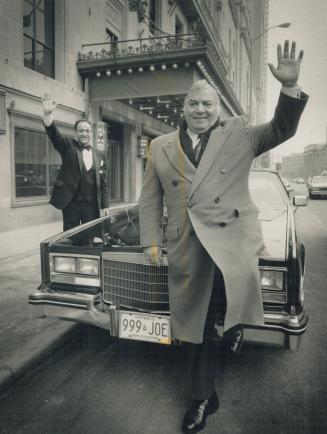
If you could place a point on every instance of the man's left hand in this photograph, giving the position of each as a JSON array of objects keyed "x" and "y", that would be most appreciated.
[
  {"x": 288, "y": 68},
  {"x": 104, "y": 211}
]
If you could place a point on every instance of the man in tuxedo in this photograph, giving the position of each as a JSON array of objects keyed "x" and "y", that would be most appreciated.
[
  {"x": 81, "y": 187},
  {"x": 213, "y": 232}
]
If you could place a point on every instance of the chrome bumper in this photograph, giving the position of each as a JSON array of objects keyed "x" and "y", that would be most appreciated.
[
  {"x": 280, "y": 329},
  {"x": 73, "y": 307}
]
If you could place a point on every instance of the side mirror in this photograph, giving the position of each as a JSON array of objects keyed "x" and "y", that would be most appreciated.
[{"x": 300, "y": 200}]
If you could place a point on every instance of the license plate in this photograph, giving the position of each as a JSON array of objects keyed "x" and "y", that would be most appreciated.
[{"x": 144, "y": 327}]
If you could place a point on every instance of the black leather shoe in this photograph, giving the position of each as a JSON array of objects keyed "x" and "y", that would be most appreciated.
[{"x": 195, "y": 417}]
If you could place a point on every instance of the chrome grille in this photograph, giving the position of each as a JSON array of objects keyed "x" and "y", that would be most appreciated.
[{"x": 129, "y": 282}]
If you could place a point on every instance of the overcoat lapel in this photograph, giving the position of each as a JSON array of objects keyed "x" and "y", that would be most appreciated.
[
  {"x": 178, "y": 158},
  {"x": 215, "y": 143}
]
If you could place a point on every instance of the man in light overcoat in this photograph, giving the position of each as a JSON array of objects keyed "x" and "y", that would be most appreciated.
[{"x": 213, "y": 233}]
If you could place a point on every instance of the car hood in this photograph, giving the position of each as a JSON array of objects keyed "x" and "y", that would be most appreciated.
[
  {"x": 274, "y": 228},
  {"x": 122, "y": 228}
]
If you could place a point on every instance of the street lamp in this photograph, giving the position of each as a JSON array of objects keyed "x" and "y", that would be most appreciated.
[{"x": 283, "y": 26}]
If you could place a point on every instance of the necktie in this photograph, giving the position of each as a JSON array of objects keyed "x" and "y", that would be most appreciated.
[{"x": 198, "y": 148}]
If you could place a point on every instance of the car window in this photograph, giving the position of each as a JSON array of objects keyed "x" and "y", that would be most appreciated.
[
  {"x": 319, "y": 179},
  {"x": 266, "y": 187}
]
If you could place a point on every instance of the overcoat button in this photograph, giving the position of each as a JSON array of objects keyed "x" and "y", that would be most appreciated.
[
  {"x": 222, "y": 171},
  {"x": 189, "y": 205},
  {"x": 217, "y": 199},
  {"x": 175, "y": 183},
  {"x": 222, "y": 224},
  {"x": 236, "y": 213}
]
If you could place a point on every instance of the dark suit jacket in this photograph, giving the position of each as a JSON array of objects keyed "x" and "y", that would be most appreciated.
[{"x": 70, "y": 172}]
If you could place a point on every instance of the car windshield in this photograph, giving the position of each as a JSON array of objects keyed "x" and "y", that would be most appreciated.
[
  {"x": 319, "y": 179},
  {"x": 122, "y": 228},
  {"x": 266, "y": 187}
]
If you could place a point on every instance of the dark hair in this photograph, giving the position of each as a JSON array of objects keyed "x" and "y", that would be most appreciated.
[{"x": 81, "y": 120}]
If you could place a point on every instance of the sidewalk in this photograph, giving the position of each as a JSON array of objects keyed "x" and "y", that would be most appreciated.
[
  {"x": 24, "y": 340},
  {"x": 17, "y": 242}
]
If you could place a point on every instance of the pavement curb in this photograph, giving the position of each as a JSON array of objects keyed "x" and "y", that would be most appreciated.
[{"x": 34, "y": 352}]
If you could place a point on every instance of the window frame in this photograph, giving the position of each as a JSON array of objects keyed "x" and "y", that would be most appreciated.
[
  {"x": 36, "y": 42},
  {"x": 122, "y": 157},
  {"x": 32, "y": 123},
  {"x": 153, "y": 27}
]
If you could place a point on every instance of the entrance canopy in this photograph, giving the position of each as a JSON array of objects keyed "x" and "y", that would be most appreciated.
[{"x": 153, "y": 75}]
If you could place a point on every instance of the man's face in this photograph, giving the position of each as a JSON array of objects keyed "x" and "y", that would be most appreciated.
[
  {"x": 84, "y": 133},
  {"x": 201, "y": 109}
]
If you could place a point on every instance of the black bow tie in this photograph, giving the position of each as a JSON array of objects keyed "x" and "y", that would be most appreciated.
[{"x": 88, "y": 147}]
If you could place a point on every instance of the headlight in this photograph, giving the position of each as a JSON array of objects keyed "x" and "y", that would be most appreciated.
[
  {"x": 71, "y": 265},
  {"x": 64, "y": 264},
  {"x": 87, "y": 266},
  {"x": 272, "y": 280}
]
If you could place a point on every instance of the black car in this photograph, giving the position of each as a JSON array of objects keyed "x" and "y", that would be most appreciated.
[{"x": 105, "y": 281}]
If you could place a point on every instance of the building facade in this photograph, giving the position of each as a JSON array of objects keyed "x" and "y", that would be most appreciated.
[
  {"x": 312, "y": 162},
  {"x": 293, "y": 166},
  {"x": 125, "y": 65}
]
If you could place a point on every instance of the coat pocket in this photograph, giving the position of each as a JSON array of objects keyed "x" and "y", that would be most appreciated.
[{"x": 171, "y": 231}]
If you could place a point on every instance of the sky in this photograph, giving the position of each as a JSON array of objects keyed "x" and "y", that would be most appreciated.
[{"x": 308, "y": 28}]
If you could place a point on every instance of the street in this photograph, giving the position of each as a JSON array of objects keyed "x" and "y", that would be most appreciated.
[{"x": 95, "y": 384}]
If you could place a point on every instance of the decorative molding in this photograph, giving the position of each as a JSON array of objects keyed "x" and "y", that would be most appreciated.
[
  {"x": 32, "y": 117},
  {"x": 233, "y": 5},
  {"x": 114, "y": 16},
  {"x": 213, "y": 34},
  {"x": 247, "y": 41},
  {"x": 2, "y": 112},
  {"x": 12, "y": 91},
  {"x": 148, "y": 51}
]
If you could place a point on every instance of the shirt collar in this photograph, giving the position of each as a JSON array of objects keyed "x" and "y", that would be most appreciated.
[
  {"x": 193, "y": 136},
  {"x": 84, "y": 148}
]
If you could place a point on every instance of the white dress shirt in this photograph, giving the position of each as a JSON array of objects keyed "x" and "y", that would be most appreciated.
[
  {"x": 88, "y": 158},
  {"x": 193, "y": 136}
]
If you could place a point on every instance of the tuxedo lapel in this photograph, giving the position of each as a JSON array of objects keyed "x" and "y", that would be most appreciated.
[
  {"x": 79, "y": 153},
  {"x": 178, "y": 158},
  {"x": 96, "y": 162},
  {"x": 215, "y": 143}
]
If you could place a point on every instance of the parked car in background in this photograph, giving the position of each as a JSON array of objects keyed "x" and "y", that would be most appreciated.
[
  {"x": 318, "y": 186},
  {"x": 111, "y": 286},
  {"x": 287, "y": 186}
]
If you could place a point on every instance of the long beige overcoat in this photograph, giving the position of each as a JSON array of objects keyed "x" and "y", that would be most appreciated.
[{"x": 212, "y": 219}]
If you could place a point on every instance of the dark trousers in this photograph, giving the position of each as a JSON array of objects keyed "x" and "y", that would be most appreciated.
[
  {"x": 79, "y": 212},
  {"x": 203, "y": 357}
]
